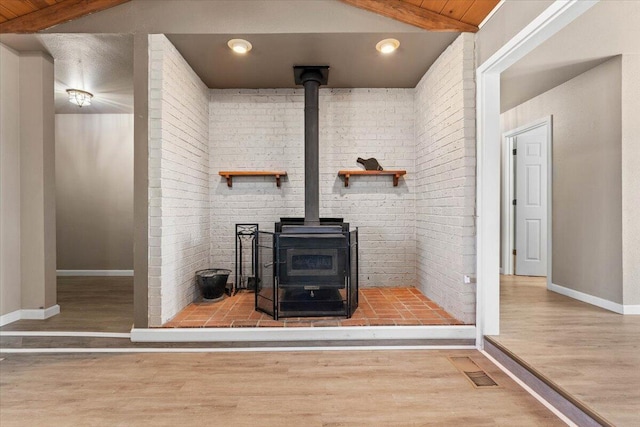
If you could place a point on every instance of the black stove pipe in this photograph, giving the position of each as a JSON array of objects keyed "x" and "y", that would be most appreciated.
[
  {"x": 311, "y": 153},
  {"x": 311, "y": 77}
]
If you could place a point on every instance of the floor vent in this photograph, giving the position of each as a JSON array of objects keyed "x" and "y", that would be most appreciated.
[{"x": 476, "y": 376}]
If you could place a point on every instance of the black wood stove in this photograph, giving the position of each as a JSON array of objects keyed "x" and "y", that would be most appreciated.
[{"x": 308, "y": 267}]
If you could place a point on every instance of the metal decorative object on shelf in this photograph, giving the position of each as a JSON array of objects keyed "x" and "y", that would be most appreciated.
[
  {"x": 246, "y": 257},
  {"x": 370, "y": 164}
]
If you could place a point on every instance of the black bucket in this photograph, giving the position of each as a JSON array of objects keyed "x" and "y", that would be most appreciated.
[{"x": 212, "y": 282}]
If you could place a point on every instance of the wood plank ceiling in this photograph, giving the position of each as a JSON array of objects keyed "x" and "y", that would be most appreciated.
[
  {"x": 432, "y": 15},
  {"x": 29, "y": 16}
]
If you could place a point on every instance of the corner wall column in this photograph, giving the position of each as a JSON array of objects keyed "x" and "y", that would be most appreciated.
[
  {"x": 140, "y": 180},
  {"x": 37, "y": 184}
]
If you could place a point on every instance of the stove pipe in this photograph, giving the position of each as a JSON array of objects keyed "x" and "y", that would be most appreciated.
[{"x": 311, "y": 77}]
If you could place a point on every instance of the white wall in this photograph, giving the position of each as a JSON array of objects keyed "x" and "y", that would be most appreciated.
[
  {"x": 264, "y": 130},
  {"x": 506, "y": 22},
  {"x": 587, "y": 178},
  {"x": 631, "y": 178},
  {"x": 178, "y": 180},
  {"x": 27, "y": 186},
  {"x": 427, "y": 221},
  {"x": 94, "y": 191},
  {"x": 10, "y": 279},
  {"x": 37, "y": 182},
  {"x": 445, "y": 187},
  {"x": 234, "y": 17}
]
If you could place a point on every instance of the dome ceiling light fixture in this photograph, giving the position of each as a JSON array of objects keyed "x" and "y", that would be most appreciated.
[
  {"x": 240, "y": 46},
  {"x": 79, "y": 97},
  {"x": 387, "y": 46}
]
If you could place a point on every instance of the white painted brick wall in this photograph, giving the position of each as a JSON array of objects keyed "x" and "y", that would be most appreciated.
[
  {"x": 445, "y": 179},
  {"x": 264, "y": 130},
  {"x": 419, "y": 233},
  {"x": 179, "y": 228}
]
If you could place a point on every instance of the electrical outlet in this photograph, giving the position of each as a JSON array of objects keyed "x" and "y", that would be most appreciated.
[{"x": 469, "y": 279}]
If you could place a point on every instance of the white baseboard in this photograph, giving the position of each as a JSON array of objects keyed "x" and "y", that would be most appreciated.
[
  {"x": 462, "y": 332},
  {"x": 597, "y": 301},
  {"x": 29, "y": 314},
  {"x": 65, "y": 334},
  {"x": 14, "y": 316},
  {"x": 631, "y": 309},
  {"x": 248, "y": 349},
  {"x": 94, "y": 272},
  {"x": 39, "y": 314}
]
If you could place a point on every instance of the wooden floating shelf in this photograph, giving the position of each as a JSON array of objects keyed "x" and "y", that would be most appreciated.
[
  {"x": 230, "y": 174},
  {"x": 396, "y": 174}
]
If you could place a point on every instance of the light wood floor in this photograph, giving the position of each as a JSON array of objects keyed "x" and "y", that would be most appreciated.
[
  {"x": 358, "y": 388},
  {"x": 592, "y": 353},
  {"x": 96, "y": 304}
]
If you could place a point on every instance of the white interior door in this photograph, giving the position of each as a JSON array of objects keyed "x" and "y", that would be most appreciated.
[{"x": 531, "y": 167}]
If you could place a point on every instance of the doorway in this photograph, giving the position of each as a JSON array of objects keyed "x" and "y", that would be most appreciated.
[
  {"x": 527, "y": 196},
  {"x": 548, "y": 23}
]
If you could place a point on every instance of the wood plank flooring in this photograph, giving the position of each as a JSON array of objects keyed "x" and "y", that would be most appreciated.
[
  {"x": 321, "y": 388},
  {"x": 93, "y": 304},
  {"x": 592, "y": 353},
  {"x": 105, "y": 304},
  {"x": 311, "y": 389}
]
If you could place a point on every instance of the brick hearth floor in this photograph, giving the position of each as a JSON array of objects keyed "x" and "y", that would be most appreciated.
[{"x": 377, "y": 307}]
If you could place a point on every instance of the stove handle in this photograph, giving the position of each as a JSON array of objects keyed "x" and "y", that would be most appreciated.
[{"x": 269, "y": 264}]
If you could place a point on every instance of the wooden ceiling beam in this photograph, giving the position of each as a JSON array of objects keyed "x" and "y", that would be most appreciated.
[
  {"x": 412, "y": 15},
  {"x": 55, "y": 14}
]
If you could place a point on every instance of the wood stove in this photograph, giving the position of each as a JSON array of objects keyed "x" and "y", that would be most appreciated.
[
  {"x": 312, "y": 254},
  {"x": 309, "y": 266},
  {"x": 308, "y": 271}
]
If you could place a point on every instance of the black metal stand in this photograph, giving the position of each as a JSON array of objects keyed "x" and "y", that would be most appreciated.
[{"x": 246, "y": 238}]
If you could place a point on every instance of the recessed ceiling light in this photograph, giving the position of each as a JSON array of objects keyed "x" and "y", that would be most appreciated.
[
  {"x": 387, "y": 45},
  {"x": 239, "y": 45}
]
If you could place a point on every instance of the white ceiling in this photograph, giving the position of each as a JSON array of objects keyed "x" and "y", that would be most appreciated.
[
  {"x": 353, "y": 59},
  {"x": 609, "y": 28},
  {"x": 102, "y": 63},
  {"x": 313, "y": 32},
  {"x": 98, "y": 63}
]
